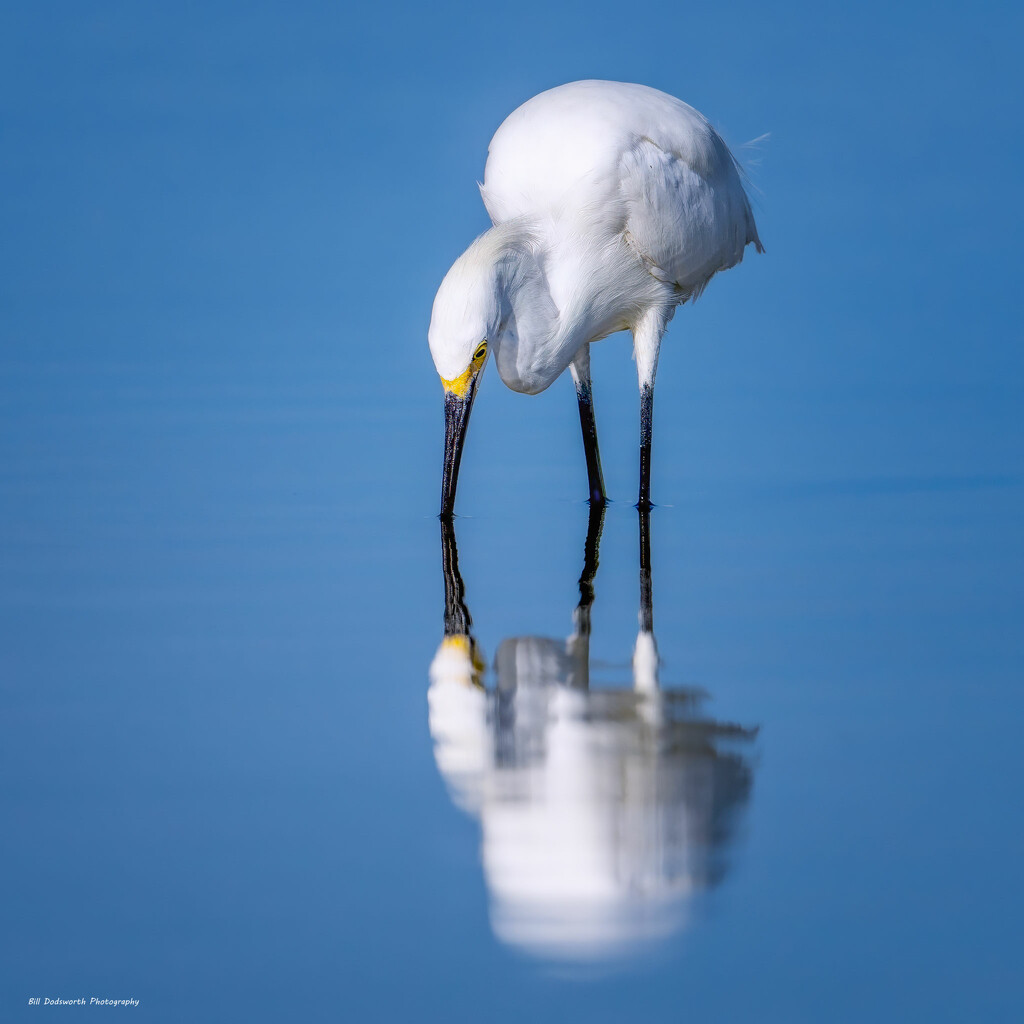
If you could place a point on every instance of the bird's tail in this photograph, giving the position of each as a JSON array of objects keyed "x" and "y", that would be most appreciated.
[{"x": 748, "y": 185}]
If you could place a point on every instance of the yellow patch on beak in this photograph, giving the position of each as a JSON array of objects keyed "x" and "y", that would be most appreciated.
[{"x": 460, "y": 386}]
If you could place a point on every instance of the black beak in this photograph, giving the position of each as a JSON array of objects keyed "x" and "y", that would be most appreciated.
[{"x": 456, "y": 420}]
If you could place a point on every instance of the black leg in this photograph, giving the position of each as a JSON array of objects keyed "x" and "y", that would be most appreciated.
[
  {"x": 589, "y": 427},
  {"x": 646, "y": 414}
]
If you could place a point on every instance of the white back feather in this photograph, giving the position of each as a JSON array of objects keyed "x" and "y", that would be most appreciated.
[{"x": 612, "y": 204}]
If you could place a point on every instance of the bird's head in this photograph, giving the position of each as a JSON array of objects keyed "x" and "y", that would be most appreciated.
[{"x": 463, "y": 326}]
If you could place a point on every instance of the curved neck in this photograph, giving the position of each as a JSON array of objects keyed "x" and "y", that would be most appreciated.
[{"x": 536, "y": 340}]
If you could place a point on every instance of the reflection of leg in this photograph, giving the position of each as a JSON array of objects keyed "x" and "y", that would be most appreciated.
[
  {"x": 645, "y": 654},
  {"x": 646, "y": 597},
  {"x": 595, "y": 524},
  {"x": 457, "y": 619},
  {"x": 580, "y": 367},
  {"x": 578, "y": 645}
]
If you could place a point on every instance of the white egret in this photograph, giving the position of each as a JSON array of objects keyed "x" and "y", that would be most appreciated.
[{"x": 612, "y": 204}]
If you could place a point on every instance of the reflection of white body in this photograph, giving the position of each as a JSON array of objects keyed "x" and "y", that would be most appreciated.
[{"x": 601, "y": 811}]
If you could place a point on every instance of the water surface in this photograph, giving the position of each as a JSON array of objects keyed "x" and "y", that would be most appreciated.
[
  {"x": 768, "y": 773},
  {"x": 232, "y": 780}
]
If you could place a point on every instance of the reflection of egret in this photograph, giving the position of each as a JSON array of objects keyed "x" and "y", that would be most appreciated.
[
  {"x": 612, "y": 205},
  {"x": 602, "y": 811}
]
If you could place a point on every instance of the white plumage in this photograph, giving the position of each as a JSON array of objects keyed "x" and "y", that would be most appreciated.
[
  {"x": 612, "y": 204},
  {"x": 628, "y": 164}
]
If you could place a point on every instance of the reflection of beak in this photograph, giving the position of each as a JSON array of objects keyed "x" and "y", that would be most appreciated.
[
  {"x": 458, "y": 660},
  {"x": 456, "y": 419}
]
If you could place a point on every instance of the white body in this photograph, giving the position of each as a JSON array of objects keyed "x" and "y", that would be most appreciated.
[{"x": 612, "y": 204}]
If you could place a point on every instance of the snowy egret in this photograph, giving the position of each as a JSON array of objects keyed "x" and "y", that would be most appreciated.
[
  {"x": 601, "y": 811},
  {"x": 612, "y": 204}
]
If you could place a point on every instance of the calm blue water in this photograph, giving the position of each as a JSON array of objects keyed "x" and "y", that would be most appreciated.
[
  {"x": 242, "y": 777},
  {"x": 221, "y": 791}
]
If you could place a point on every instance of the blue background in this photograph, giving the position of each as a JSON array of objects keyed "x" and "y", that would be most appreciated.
[{"x": 219, "y": 463}]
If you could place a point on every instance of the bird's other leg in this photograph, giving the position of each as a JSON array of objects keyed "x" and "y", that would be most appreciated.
[
  {"x": 580, "y": 367},
  {"x": 646, "y": 346},
  {"x": 643, "y": 501}
]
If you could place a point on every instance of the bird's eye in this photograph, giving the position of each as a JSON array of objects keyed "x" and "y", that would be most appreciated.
[{"x": 481, "y": 351}]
